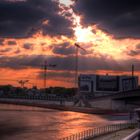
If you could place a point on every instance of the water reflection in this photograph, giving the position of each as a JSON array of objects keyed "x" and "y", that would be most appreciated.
[{"x": 33, "y": 123}]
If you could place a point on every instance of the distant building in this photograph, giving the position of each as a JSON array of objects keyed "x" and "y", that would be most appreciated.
[{"x": 98, "y": 85}]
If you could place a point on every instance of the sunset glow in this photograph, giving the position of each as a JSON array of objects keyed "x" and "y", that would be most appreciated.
[{"x": 25, "y": 55}]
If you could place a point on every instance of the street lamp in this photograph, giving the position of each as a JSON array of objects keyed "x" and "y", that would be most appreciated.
[{"x": 76, "y": 68}]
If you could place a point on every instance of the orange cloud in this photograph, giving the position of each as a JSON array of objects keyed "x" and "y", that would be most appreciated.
[{"x": 97, "y": 43}]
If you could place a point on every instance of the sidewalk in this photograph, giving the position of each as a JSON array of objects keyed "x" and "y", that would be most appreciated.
[{"x": 119, "y": 135}]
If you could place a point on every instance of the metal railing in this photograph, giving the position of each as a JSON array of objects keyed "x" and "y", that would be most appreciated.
[
  {"x": 92, "y": 133},
  {"x": 133, "y": 136},
  {"x": 31, "y": 97}
]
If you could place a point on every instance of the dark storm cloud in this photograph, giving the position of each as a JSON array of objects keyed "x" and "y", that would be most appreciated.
[
  {"x": 138, "y": 46},
  {"x": 36, "y": 61},
  {"x": 1, "y": 42},
  {"x": 118, "y": 17},
  {"x": 54, "y": 74},
  {"x": 12, "y": 43},
  {"x": 64, "y": 49},
  {"x": 23, "y": 18},
  {"x": 67, "y": 49},
  {"x": 68, "y": 63},
  {"x": 21, "y": 62},
  {"x": 134, "y": 52},
  {"x": 28, "y": 46},
  {"x": 5, "y": 50},
  {"x": 17, "y": 51}
]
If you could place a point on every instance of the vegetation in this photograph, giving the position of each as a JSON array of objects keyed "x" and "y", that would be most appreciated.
[{"x": 9, "y": 90}]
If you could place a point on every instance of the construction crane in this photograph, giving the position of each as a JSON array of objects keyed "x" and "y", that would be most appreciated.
[{"x": 45, "y": 67}]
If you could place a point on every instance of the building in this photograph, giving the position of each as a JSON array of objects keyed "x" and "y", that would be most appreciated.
[{"x": 98, "y": 85}]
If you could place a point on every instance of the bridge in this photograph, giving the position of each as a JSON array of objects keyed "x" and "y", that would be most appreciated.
[{"x": 127, "y": 100}]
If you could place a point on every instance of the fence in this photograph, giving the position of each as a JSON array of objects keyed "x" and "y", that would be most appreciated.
[
  {"x": 49, "y": 98},
  {"x": 135, "y": 135},
  {"x": 91, "y": 133}
]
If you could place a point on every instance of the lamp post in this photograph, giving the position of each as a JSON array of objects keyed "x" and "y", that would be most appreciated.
[{"x": 76, "y": 67}]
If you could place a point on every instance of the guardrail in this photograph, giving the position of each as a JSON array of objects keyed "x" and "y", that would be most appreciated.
[
  {"x": 92, "y": 133},
  {"x": 136, "y": 134},
  {"x": 49, "y": 98},
  {"x": 133, "y": 136}
]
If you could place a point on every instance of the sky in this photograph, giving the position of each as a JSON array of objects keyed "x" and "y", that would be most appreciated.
[{"x": 35, "y": 31}]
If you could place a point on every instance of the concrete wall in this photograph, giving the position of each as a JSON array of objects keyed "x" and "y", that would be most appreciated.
[
  {"x": 111, "y": 104},
  {"x": 118, "y": 105},
  {"x": 37, "y": 102},
  {"x": 105, "y": 104}
]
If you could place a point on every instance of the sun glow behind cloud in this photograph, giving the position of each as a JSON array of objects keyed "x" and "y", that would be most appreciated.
[
  {"x": 101, "y": 42},
  {"x": 91, "y": 38},
  {"x": 66, "y": 2}
]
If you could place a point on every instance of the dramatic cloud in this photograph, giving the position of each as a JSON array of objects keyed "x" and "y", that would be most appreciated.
[
  {"x": 68, "y": 63},
  {"x": 12, "y": 43},
  {"x": 28, "y": 46},
  {"x": 1, "y": 42},
  {"x": 23, "y": 18},
  {"x": 17, "y": 51},
  {"x": 118, "y": 17},
  {"x": 54, "y": 74},
  {"x": 138, "y": 46},
  {"x": 135, "y": 52},
  {"x": 5, "y": 50},
  {"x": 64, "y": 49},
  {"x": 21, "y": 62}
]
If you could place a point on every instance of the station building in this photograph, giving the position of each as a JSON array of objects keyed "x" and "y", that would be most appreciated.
[{"x": 99, "y": 85}]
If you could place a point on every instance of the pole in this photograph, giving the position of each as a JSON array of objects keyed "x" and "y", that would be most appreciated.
[
  {"x": 138, "y": 120},
  {"x": 132, "y": 70},
  {"x": 132, "y": 76},
  {"x": 76, "y": 69},
  {"x": 45, "y": 74},
  {"x": 45, "y": 67}
]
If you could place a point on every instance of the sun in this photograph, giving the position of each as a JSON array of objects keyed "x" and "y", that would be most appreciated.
[
  {"x": 66, "y": 2},
  {"x": 84, "y": 34}
]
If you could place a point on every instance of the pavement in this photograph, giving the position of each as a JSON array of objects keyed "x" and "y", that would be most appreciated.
[{"x": 119, "y": 135}]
